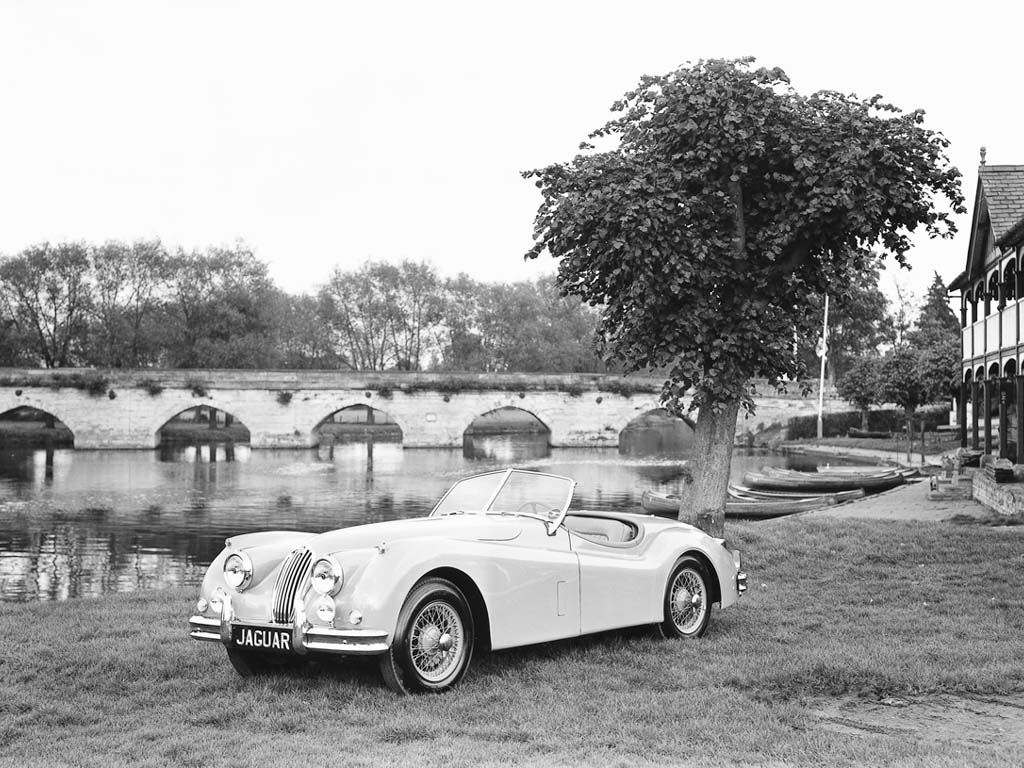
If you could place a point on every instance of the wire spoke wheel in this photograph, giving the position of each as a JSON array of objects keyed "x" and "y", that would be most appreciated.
[
  {"x": 436, "y": 641},
  {"x": 687, "y": 601}
]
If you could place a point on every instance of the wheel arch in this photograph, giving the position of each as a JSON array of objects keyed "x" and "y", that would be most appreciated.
[
  {"x": 713, "y": 579},
  {"x": 477, "y": 604}
]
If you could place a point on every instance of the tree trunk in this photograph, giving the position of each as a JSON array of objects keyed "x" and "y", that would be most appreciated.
[
  {"x": 864, "y": 419},
  {"x": 910, "y": 433},
  {"x": 702, "y": 503}
]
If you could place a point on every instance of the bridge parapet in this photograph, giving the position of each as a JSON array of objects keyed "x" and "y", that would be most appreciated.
[{"x": 126, "y": 408}]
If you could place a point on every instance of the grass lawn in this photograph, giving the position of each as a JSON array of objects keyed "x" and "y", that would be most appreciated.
[{"x": 837, "y": 610}]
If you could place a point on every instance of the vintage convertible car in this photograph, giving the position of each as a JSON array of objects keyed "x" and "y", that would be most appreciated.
[{"x": 499, "y": 562}]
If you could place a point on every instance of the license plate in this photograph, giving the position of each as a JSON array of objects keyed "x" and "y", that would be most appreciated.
[{"x": 262, "y": 639}]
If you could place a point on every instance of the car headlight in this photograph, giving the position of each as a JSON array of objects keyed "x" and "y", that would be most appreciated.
[
  {"x": 327, "y": 576},
  {"x": 238, "y": 571}
]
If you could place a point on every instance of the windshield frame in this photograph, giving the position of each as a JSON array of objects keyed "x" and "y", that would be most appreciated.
[{"x": 552, "y": 519}]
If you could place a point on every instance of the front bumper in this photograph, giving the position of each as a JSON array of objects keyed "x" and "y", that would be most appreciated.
[
  {"x": 304, "y": 636},
  {"x": 741, "y": 582}
]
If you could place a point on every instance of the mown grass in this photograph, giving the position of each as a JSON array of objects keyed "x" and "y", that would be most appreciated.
[{"x": 835, "y": 608}]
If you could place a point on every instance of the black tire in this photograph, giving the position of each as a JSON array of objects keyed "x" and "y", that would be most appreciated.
[
  {"x": 255, "y": 664},
  {"x": 433, "y": 645},
  {"x": 687, "y": 601}
]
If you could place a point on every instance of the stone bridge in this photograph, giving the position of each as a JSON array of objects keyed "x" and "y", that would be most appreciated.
[{"x": 127, "y": 408}]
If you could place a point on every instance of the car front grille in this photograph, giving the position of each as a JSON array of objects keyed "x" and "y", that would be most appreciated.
[{"x": 293, "y": 573}]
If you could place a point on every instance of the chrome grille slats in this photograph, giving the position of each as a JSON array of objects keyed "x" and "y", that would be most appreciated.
[{"x": 293, "y": 572}]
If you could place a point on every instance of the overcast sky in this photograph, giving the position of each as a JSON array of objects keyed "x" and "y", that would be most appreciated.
[{"x": 329, "y": 133}]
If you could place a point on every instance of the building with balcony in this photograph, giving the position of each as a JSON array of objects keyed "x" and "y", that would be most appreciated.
[{"x": 991, "y": 292}]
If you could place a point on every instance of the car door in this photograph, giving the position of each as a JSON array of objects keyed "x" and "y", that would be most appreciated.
[
  {"x": 533, "y": 593},
  {"x": 618, "y": 585}
]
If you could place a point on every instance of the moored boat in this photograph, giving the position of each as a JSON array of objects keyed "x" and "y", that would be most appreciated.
[
  {"x": 772, "y": 478},
  {"x": 907, "y": 472},
  {"x": 667, "y": 505},
  {"x": 745, "y": 493}
]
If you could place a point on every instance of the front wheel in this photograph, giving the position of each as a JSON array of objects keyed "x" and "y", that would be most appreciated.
[
  {"x": 433, "y": 645},
  {"x": 687, "y": 601}
]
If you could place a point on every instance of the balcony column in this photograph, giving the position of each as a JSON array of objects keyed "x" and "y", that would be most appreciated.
[
  {"x": 975, "y": 412},
  {"x": 987, "y": 387},
  {"x": 1018, "y": 382},
  {"x": 1004, "y": 422},
  {"x": 961, "y": 413}
]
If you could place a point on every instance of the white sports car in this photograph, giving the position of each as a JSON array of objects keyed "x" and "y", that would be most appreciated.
[{"x": 499, "y": 562}]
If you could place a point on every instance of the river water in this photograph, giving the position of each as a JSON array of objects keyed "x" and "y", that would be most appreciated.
[{"x": 77, "y": 523}]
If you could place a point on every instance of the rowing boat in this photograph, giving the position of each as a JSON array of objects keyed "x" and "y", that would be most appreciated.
[
  {"x": 667, "y": 505},
  {"x": 773, "y": 478}
]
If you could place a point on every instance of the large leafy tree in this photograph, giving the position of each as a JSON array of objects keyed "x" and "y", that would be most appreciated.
[
  {"x": 858, "y": 322},
  {"x": 129, "y": 285},
  {"x": 220, "y": 313},
  {"x": 46, "y": 296},
  {"x": 861, "y": 385},
  {"x": 725, "y": 201}
]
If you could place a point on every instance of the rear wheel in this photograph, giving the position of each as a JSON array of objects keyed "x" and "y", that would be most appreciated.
[
  {"x": 434, "y": 643},
  {"x": 687, "y": 600}
]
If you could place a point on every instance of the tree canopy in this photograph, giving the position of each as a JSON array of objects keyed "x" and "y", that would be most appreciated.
[{"x": 726, "y": 201}]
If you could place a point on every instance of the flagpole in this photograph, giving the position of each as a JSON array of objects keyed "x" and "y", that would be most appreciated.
[{"x": 822, "y": 351}]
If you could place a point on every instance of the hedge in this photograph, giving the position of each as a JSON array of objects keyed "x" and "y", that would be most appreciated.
[{"x": 887, "y": 420}]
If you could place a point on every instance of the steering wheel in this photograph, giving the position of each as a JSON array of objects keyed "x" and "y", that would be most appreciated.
[{"x": 533, "y": 507}]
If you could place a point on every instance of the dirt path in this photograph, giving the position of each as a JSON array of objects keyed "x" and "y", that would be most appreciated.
[{"x": 965, "y": 720}]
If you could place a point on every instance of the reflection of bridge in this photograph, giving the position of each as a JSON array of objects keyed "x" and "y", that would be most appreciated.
[{"x": 127, "y": 408}]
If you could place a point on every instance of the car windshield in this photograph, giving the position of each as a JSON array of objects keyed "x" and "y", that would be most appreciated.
[{"x": 509, "y": 492}]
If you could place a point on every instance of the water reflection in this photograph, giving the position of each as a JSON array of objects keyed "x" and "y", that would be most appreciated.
[
  {"x": 506, "y": 448},
  {"x": 85, "y": 523}
]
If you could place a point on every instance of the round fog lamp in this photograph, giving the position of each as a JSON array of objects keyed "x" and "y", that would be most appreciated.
[
  {"x": 327, "y": 576},
  {"x": 325, "y": 610},
  {"x": 217, "y": 600},
  {"x": 355, "y": 618},
  {"x": 202, "y": 605}
]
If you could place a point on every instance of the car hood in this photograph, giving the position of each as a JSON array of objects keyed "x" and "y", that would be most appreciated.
[{"x": 457, "y": 527}]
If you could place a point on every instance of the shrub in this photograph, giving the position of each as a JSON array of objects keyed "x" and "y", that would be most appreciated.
[
  {"x": 152, "y": 386},
  {"x": 886, "y": 420},
  {"x": 284, "y": 397}
]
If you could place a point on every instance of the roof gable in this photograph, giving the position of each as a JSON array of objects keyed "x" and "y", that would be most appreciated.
[
  {"x": 999, "y": 206},
  {"x": 1003, "y": 187}
]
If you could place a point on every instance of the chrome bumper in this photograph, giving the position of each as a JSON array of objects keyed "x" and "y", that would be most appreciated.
[
  {"x": 305, "y": 636},
  {"x": 741, "y": 582}
]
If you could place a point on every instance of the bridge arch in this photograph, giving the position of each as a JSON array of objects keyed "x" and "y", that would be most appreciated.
[
  {"x": 47, "y": 401},
  {"x": 26, "y": 425},
  {"x": 467, "y": 426},
  {"x": 171, "y": 411},
  {"x": 656, "y": 431},
  {"x": 374, "y": 414}
]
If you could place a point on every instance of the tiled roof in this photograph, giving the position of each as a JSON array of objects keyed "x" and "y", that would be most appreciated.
[
  {"x": 1004, "y": 196},
  {"x": 1014, "y": 235}
]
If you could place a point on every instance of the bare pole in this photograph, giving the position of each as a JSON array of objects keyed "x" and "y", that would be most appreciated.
[{"x": 822, "y": 353}]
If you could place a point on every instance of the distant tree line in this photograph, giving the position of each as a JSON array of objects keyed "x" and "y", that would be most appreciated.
[{"x": 140, "y": 305}]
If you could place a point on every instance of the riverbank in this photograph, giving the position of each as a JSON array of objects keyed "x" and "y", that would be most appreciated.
[{"x": 877, "y": 450}]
